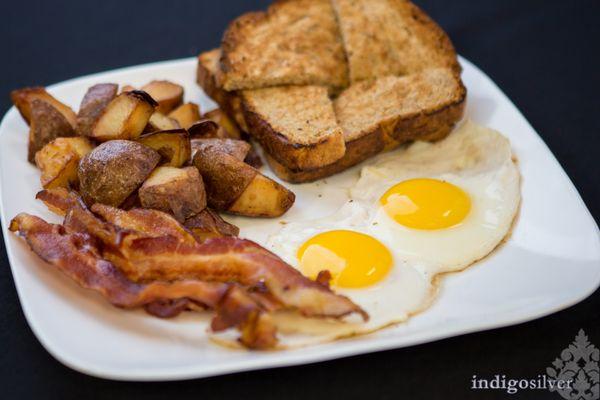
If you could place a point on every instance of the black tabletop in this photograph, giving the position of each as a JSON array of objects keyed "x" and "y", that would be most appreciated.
[{"x": 543, "y": 55}]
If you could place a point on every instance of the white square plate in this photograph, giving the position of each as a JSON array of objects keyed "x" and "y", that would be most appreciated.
[{"x": 551, "y": 262}]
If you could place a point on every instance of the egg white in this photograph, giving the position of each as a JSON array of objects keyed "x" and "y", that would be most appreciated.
[{"x": 474, "y": 158}]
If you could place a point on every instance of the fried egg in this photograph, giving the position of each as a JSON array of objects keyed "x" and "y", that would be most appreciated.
[{"x": 414, "y": 213}]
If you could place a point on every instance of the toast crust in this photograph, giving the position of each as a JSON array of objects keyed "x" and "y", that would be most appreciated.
[
  {"x": 357, "y": 151},
  {"x": 206, "y": 77},
  {"x": 298, "y": 42}
]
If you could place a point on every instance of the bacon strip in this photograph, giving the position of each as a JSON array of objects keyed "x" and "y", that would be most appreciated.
[
  {"x": 229, "y": 259},
  {"x": 150, "y": 222},
  {"x": 59, "y": 200},
  {"x": 149, "y": 251},
  {"x": 226, "y": 259},
  {"x": 76, "y": 255}
]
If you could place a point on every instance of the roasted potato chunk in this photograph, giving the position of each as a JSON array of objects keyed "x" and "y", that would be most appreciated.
[
  {"x": 46, "y": 124},
  {"x": 59, "y": 159},
  {"x": 209, "y": 224},
  {"x": 167, "y": 94},
  {"x": 263, "y": 197},
  {"x": 22, "y": 99},
  {"x": 204, "y": 129},
  {"x": 173, "y": 146},
  {"x": 186, "y": 114},
  {"x": 237, "y": 148},
  {"x": 228, "y": 127},
  {"x": 235, "y": 187},
  {"x": 111, "y": 172},
  {"x": 179, "y": 191},
  {"x": 125, "y": 117},
  {"x": 160, "y": 122},
  {"x": 93, "y": 104}
]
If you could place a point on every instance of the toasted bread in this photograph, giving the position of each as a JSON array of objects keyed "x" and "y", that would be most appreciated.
[
  {"x": 382, "y": 114},
  {"x": 391, "y": 37},
  {"x": 357, "y": 151},
  {"x": 295, "y": 124},
  {"x": 410, "y": 107},
  {"x": 403, "y": 68},
  {"x": 295, "y": 42}
]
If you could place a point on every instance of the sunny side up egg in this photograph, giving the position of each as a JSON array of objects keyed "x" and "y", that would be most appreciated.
[{"x": 414, "y": 213}]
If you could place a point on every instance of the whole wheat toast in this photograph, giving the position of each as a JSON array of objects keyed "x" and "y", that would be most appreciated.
[
  {"x": 312, "y": 138},
  {"x": 296, "y": 125},
  {"x": 387, "y": 112},
  {"x": 391, "y": 37},
  {"x": 376, "y": 114},
  {"x": 295, "y": 42},
  {"x": 407, "y": 107}
]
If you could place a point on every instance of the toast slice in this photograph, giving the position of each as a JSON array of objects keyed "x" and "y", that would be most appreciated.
[
  {"x": 296, "y": 125},
  {"x": 295, "y": 42},
  {"x": 403, "y": 68},
  {"x": 411, "y": 107},
  {"x": 383, "y": 114},
  {"x": 357, "y": 150},
  {"x": 206, "y": 77},
  {"x": 391, "y": 37},
  {"x": 308, "y": 138}
]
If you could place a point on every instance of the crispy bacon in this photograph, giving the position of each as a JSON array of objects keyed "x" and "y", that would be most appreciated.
[
  {"x": 59, "y": 200},
  {"x": 151, "y": 245},
  {"x": 324, "y": 278},
  {"x": 76, "y": 255},
  {"x": 149, "y": 222},
  {"x": 143, "y": 256}
]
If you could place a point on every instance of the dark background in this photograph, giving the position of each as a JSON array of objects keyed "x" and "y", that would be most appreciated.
[{"x": 543, "y": 54}]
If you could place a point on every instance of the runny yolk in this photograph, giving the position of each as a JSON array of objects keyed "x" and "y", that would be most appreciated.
[
  {"x": 354, "y": 259},
  {"x": 426, "y": 204}
]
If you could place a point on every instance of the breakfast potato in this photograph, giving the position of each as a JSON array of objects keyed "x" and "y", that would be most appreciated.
[
  {"x": 125, "y": 117},
  {"x": 93, "y": 104},
  {"x": 111, "y": 172},
  {"x": 59, "y": 159},
  {"x": 235, "y": 187},
  {"x": 22, "y": 99},
  {"x": 172, "y": 145},
  {"x": 186, "y": 114},
  {"x": 229, "y": 128},
  {"x": 46, "y": 123},
  {"x": 237, "y": 148},
  {"x": 160, "y": 122},
  {"x": 167, "y": 94},
  {"x": 204, "y": 128},
  {"x": 209, "y": 224},
  {"x": 208, "y": 132},
  {"x": 179, "y": 191},
  {"x": 263, "y": 197}
]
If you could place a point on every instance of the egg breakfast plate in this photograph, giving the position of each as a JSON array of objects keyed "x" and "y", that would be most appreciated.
[{"x": 550, "y": 261}]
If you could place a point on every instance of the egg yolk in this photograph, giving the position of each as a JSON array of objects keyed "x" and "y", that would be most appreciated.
[
  {"x": 354, "y": 259},
  {"x": 426, "y": 204}
]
